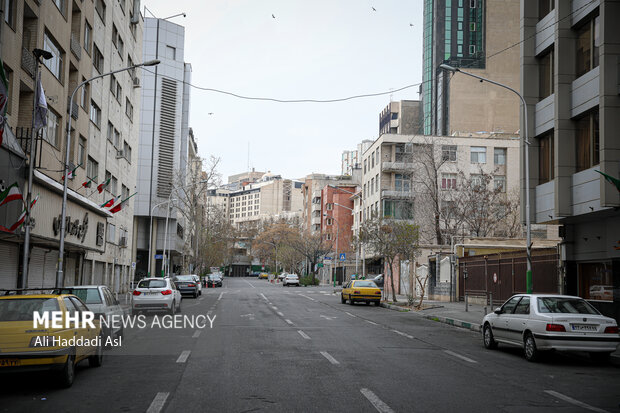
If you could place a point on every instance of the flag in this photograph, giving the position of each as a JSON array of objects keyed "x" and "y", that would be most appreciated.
[
  {"x": 111, "y": 202},
  {"x": 4, "y": 99},
  {"x": 40, "y": 112},
  {"x": 102, "y": 185},
  {"x": 611, "y": 179},
  {"x": 88, "y": 182},
  {"x": 120, "y": 206},
  {"x": 71, "y": 174},
  {"x": 21, "y": 218},
  {"x": 12, "y": 193}
]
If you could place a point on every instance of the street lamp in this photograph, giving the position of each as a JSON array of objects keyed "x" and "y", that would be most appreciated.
[
  {"x": 336, "y": 257},
  {"x": 527, "y": 169},
  {"x": 151, "y": 233},
  {"x": 61, "y": 249}
]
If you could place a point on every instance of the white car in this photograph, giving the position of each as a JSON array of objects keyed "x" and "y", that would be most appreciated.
[
  {"x": 290, "y": 279},
  {"x": 156, "y": 294},
  {"x": 199, "y": 283},
  {"x": 538, "y": 322}
]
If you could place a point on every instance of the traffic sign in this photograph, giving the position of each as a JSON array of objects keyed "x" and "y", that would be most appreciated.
[
  {"x": 159, "y": 256},
  {"x": 327, "y": 258},
  {"x": 343, "y": 256}
]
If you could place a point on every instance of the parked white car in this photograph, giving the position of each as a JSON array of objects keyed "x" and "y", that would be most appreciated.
[
  {"x": 198, "y": 281},
  {"x": 290, "y": 279},
  {"x": 538, "y": 322},
  {"x": 156, "y": 294}
]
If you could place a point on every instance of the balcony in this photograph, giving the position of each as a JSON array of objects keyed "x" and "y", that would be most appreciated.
[
  {"x": 73, "y": 110},
  {"x": 392, "y": 194},
  {"x": 75, "y": 46},
  {"x": 397, "y": 166},
  {"x": 316, "y": 220},
  {"x": 28, "y": 61}
]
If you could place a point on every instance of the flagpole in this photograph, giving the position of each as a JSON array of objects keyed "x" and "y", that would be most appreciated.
[{"x": 61, "y": 248}]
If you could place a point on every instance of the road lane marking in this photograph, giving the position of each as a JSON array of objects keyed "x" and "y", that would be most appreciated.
[
  {"x": 263, "y": 295},
  {"x": 371, "y": 322},
  {"x": 402, "y": 334},
  {"x": 201, "y": 298},
  {"x": 196, "y": 334},
  {"x": 309, "y": 298},
  {"x": 304, "y": 335},
  {"x": 329, "y": 357},
  {"x": 184, "y": 356},
  {"x": 452, "y": 353},
  {"x": 274, "y": 307},
  {"x": 280, "y": 314},
  {"x": 289, "y": 321},
  {"x": 575, "y": 402},
  {"x": 379, "y": 405},
  {"x": 158, "y": 402},
  {"x": 220, "y": 297},
  {"x": 251, "y": 285},
  {"x": 327, "y": 317},
  {"x": 352, "y": 315}
]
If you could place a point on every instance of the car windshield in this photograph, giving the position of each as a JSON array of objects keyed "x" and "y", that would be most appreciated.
[
  {"x": 364, "y": 284},
  {"x": 214, "y": 277},
  {"x": 152, "y": 284},
  {"x": 184, "y": 278},
  {"x": 22, "y": 309},
  {"x": 87, "y": 295},
  {"x": 565, "y": 305},
  {"x": 291, "y": 276}
]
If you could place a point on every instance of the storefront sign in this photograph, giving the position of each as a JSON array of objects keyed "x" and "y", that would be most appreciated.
[{"x": 75, "y": 228}]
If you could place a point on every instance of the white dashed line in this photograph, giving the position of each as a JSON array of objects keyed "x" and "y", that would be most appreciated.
[
  {"x": 452, "y": 353},
  {"x": 274, "y": 307},
  {"x": 263, "y": 295},
  {"x": 280, "y": 314},
  {"x": 158, "y": 402},
  {"x": 371, "y": 322},
  {"x": 304, "y": 335},
  {"x": 289, "y": 321},
  {"x": 573, "y": 401},
  {"x": 196, "y": 334},
  {"x": 184, "y": 356},
  {"x": 402, "y": 334},
  {"x": 220, "y": 297},
  {"x": 348, "y": 313},
  {"x": 309, "y": 298},
  {"x": 251, "y": 285},
  {"x": 329, "y": 357},
  {"x": 379, "y": 405}
]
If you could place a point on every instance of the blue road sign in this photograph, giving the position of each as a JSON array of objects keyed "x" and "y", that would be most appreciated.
[
  {"x": 159, "y": 256},
  {"x": 343, "y": 256}
]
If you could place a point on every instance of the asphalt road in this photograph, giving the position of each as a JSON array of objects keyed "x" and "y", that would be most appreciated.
[{"x": 278, "y": 349}]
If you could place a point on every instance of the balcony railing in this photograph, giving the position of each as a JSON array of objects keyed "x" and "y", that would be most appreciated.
[
  {"x": 396, "y": 166},
  {"x": 388, "y": 193},
  {"x": 75, "y": 46},
  {"x": 73, "y": 110},
  {"x": 29, "y": 63}
]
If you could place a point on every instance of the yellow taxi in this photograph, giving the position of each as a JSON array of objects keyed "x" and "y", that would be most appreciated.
[
  {"x": 361, "y": 290},
  {"x": 263, "y": 275},
  {"x": 28, "y": 344}
]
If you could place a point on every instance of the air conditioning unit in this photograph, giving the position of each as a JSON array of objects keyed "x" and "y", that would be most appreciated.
[
  {"x": 136, "y": 82},
  {"x": 120, "y": 154},
  {"x": 122, "y": 242}
]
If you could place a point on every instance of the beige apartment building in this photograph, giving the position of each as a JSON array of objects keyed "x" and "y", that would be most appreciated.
[{"x": 84, "y": 39}]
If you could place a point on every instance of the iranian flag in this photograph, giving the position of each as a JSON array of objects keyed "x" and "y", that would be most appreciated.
[
  {"x": 102, "y": 185},
  {"x": 12, "y": 193},
  {"x": 72, "y": 173},
  {"x": 21, "y": 218},
  {"x": 120, "y": 205},
  {"x": 4, "y": 99},
  {"x": 111, "y": 202},
  {"x": 614, "y": 181},
  {"x": 88, "y": 182}
]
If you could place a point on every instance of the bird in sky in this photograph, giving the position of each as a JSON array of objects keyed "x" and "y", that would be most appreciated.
[
  {"x": 373, "y": 9},
  {"x": 210, "y": 113},
  {"x": 273, "y": 16},
  {"x": 411, "y": 24}
]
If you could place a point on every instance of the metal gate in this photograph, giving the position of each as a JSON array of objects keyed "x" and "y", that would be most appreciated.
[
  {"x": 98, "y": 279},
  {"x": 42, "y": 268},
  {"x": 9, "y": 256}
]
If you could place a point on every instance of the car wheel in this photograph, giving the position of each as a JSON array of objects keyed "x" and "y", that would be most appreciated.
[
  {"x": 599, "y": 357},
  {"x": 531, "y": 352},
  {"x": 351, "y": 300},
  {"x": 377, "y": 303},
  {"x": 367, "y": 302},
  {"x": 96, "y": 360},
  {"x": 195, "y": 295},
  {"x": 342, "y": 300},
  {"x": 67, "y": 374},
  {"x": 487, "y": 336},
  {"x": 173, "y": 309}
]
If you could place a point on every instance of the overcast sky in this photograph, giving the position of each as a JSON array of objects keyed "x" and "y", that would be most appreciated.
[{"x": 314, "y": 49}]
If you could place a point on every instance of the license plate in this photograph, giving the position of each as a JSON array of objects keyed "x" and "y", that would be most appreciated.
[
  {"x": 10, "y": 362},
  {"x": 583, "y": 327},
  {"x": 152, "y": 293}
]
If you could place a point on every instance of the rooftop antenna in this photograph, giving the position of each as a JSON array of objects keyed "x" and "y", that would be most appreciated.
[{"x": 248, "y": 157}]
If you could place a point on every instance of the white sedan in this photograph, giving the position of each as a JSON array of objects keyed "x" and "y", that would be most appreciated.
[
  {"x": 290, "y": 279},
  {"x": 538, "y": 322}
]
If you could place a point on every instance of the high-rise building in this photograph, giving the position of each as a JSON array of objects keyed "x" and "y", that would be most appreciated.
[
  {"x": 163, "y": 148},
  {"x": 478, "y": 36},
  {"x": 402, "y": 117},
  {"x": 569, "y": 78}
]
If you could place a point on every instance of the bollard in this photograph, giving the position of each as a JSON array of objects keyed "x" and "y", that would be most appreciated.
[{"x": 466, "y": 307}]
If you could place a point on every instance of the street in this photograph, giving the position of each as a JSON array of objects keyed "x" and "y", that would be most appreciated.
[{"x": 299, "y": 349}]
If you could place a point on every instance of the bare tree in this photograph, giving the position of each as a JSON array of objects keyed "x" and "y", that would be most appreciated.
[{"x": 313, "y": 247}]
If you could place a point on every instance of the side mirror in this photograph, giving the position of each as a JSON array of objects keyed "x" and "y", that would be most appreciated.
[{"x": 498, "y": 311}]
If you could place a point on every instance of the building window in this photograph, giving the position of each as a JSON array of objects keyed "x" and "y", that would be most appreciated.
[
  {"x": 448, "y": 181},
  {"x": 100, "y": 7},
  {"x": 545, "y": 75},
  {"x": 397, "y": 209},
  {"x": 113, "y": 185},
  {"x": 329, "y": 207},
  {"x": 51, "y": 129},
  {"x": 448, "y": 153},
  {"x": 596, "y": 281},
  {"x": 61, "y": 4},
  {"x": 129, "y": 109},
  {"x": 364, "y": 165},
  {"x": 403, "y": 151},
  {"x": 9, "y": 13},
  {"x": 478, "y": 154},
  {"x": 88, "y": 34},
  {"x": 92, "y": 169},
  {"x": 588, "y": 42},
  {"x": 117, "y": 138},
  {"x": 84, "y": 95},
  {"x": 372, "y": 186},
  {"x": 499, "y": 183},
  {"x": 372, "y": 160},
  {"x": 329, "y": 221},
  {"x": 472, "y": 49},
  {"x": 587, "y": 149},
  {"x": 328, "y": 236},
  {"x": 55, "y": 63},
  {"x": 545, "y": 7},
  {"x": 127, "y": 151},
  {"x": 402, "y": 183},
  {"x": 97, "y": 59},
  {"x": 546, "y": 164},
  {"x": 171, "y": 53},
  {"x": 95, "y": 114},
  {"x": 110, "y": 134},
  {"x": 124, "y": 192},
  {"x": 477, "y": 181},
  {"x": 81, "y": 151},
  {"x": 111, "y": 232},
  {"x": 499, "y": 156}
]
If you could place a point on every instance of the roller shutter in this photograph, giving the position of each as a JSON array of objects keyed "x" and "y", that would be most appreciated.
[
  {"x": 42, "y": 268},
  {"x": 9, "y": 254}
]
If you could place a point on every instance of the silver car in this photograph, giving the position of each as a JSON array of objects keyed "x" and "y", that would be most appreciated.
[
  {"x": 156, "y": 294},
  {"x": 290, "y": 279},
  {"x": 538, "y": 322}
]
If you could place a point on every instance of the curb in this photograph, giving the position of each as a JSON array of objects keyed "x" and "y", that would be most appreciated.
[
  {"x": 450, "y": 321},
  {"x": 394, "y": 307}
]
